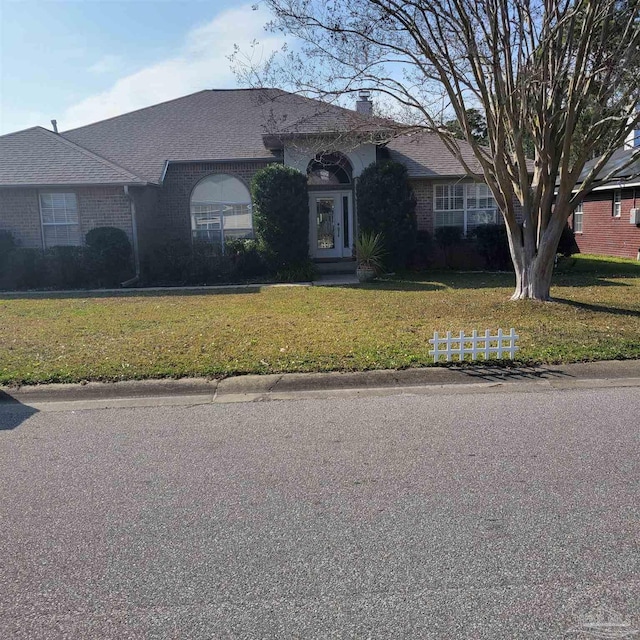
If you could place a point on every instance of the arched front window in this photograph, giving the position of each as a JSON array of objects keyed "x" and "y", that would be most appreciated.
[
  {"x": 221, "y": 209},
  {"x": 329, "y": 169}
]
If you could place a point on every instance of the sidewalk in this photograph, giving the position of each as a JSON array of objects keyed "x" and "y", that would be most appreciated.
[{"x": 431, "y": 380}]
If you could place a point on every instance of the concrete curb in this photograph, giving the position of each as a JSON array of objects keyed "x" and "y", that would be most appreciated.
[{"x": 453, "y": 379}]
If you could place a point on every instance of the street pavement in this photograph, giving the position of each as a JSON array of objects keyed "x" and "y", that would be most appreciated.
[{"x": 458, "y": 515}]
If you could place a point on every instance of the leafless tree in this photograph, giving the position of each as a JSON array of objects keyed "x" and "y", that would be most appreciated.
[{"x": 556, "y": 76}]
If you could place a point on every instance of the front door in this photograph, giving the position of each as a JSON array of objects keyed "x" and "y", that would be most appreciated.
[{"x": 331, "y": 224}]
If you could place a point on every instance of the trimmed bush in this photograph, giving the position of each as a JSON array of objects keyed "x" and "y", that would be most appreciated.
[
  {"x": 387, "y": 205},
  {"x": 66, "y": 268},
  {"x": 447, "y": 238},
  {"x": 23, "y": 269},
  {"x": 246, "y": 258},
  {"x": 182, "y": 263},
  {"x": 7, "y": 245},
  {"x": 281, "y": 216},
  {"x": 567, "y": 245},
  {"x": 109, "y": 256},
  {"x": 493, "y": 246},
  {"x": 422, "y": 256}
]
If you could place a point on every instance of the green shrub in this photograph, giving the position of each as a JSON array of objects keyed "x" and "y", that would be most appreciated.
[
  {"x": 567, "y": 245},
  {"x": 386, "y": 204},
  {"x": 109, "y": 256},
  {"x": 281, "y": 216},
  {"x": 7, "y": 245},
  {"x": 493, "y": 245},
  {"x": 422, "y": 256},
  {"x": 169, "y": 263},
  {"x": 202, "y": 263},
  {"x": 447, "y": 238},
  {"x": 23, "y": 269},
  {"x": 247, "y": 260},
  {"x": 301, "y": 272},
  {"x": 66, "y": 268}
]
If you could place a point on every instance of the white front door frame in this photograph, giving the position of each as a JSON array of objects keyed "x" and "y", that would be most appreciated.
[{"x": 330, "y": 225}]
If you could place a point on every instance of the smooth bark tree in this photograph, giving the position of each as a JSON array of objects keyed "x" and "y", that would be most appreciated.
[{"x": 556, "y": 76}]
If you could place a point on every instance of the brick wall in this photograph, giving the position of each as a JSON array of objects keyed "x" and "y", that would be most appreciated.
[
  {"x": 173, "y": 209},
  {"x": 20, "y": 214},
  {"x": 602, "y": 234},
  {"x": 97, "y": 207},
  {"x": 423, "y": 190},
  {"x": 104, "y": 207}
]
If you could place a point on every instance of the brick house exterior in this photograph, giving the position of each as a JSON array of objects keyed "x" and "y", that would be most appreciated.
[
  {"x": 140, "y": 171},
  {"x": 607, "y": 222},
  {"x": 605, "y": 227}
]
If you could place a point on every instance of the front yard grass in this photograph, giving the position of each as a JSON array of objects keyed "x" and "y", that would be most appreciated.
[{"x": 66, "y": 338}]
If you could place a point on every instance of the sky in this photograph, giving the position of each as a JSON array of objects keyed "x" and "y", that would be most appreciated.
[{"x": 80, "y": 61}]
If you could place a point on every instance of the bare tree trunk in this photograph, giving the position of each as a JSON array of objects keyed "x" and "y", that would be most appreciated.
[
  {"x": 533, "y": 280},
  {"x": 535, "y": 270}
]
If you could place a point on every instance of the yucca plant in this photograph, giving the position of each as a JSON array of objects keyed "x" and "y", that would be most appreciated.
[{"x": 370, "y": 253}]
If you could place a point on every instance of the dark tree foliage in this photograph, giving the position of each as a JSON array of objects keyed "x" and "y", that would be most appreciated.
[
  {"x": 386, "y": 204},
  {"x": 477, "y": 124},
  {"x": 109, "y": 255},
  {"x": 281, "y": 215}
]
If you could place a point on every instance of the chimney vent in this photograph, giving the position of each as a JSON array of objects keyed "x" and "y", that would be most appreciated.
[
  {"x": 364, "y": 104},
  {"x": 54, "y": 124}
]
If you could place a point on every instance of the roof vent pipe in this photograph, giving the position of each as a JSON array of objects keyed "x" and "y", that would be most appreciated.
[
  {"x": 364, "y": 105},
  {"x": 54, "y": 124}
]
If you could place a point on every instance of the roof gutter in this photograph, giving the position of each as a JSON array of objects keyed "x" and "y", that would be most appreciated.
[{"x": 134, "y": 233}]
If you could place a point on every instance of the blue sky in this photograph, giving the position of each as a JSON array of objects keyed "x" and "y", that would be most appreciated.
[{"x": 85, "y": 60}]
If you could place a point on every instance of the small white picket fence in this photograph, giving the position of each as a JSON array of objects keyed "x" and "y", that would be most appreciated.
[{"x": 502, "y": 344}]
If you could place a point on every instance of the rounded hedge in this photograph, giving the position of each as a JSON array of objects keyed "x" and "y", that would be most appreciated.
[
  {"x": 387, "y": 205},
  {"x": 281, "y": 215},
  {"x": 109, "y": 255}
]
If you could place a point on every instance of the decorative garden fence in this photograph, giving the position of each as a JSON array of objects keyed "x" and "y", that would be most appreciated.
[{"x": 503, "y": 345}]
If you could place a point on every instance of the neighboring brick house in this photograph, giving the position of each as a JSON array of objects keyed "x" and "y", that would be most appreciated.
[
  {"x": 608, "y": 221},
  {"x": 182, "y": 170}
]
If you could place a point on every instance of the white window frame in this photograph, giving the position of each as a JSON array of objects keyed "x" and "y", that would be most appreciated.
[
  {"x": 222, "y": 215},
  {"x": 67, "y": 215},
  {"x": 616, "y": 212},
  {"x": 578, "y": 216},
  {"x": 470, "y": 191}
]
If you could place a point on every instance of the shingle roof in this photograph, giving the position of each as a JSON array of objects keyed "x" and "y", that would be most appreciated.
[
  {"x": 618, "y": 159},
  {"x": 211, "y": 125},
  {"x": 233, "y": 124},
  {"x": 426, "y": 156},
  {"x": 38, "y": 157}
]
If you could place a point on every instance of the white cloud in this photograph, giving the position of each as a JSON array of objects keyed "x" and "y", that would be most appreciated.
[
  {"x": 107, "y": 64},
  {"x": 202, "y": 63}
]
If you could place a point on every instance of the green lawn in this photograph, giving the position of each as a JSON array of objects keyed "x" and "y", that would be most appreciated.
[{"x": 387, "y": 324}]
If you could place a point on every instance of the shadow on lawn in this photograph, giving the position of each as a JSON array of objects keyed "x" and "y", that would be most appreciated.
[
  {"x": 438, "y": 281},
  {"x": 616, "y": 311},
  {"x": 129, "y": 293},
  {"x": 12, "y": 412}
]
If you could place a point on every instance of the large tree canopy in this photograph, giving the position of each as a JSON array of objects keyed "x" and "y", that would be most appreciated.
[{"x": 556, "y": 79}]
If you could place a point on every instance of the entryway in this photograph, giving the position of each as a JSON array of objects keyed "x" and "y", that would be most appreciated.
[{"x": 331, "y": 224}]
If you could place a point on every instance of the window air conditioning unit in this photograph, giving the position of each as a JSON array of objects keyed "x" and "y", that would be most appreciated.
[{"x": 634, "y": 217}]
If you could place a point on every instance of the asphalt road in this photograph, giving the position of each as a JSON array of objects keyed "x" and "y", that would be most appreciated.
[{"x": 504, "y": 515}]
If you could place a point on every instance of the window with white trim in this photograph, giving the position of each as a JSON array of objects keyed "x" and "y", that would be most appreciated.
[
  {"x": 59, "y": 217},
  {"x": 464, "y": 205},
  {"x": 221, "y": 210},
  {"x": 577, "y": 218},
  {"x": 617, "y": 203}
]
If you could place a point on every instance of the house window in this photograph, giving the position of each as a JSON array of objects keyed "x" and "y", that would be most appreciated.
[
  {"x": 329, "y": 169},
  {"x": 464, "y": 205},
  {"x": 577, "y": 218},
  {"x": 617, "y": 203},
  {"x": 221, "y": 210},
  {"x": 59, "y": 216}
]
